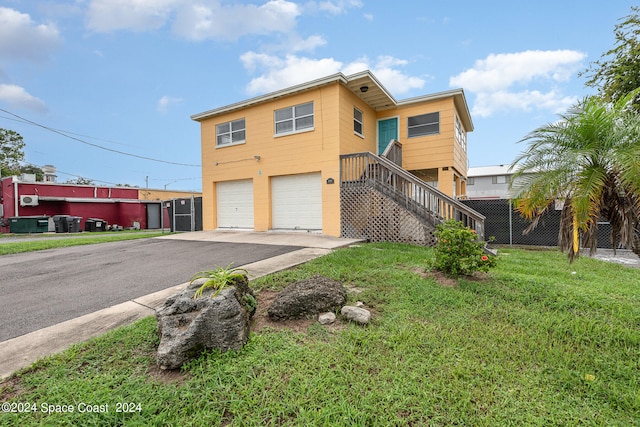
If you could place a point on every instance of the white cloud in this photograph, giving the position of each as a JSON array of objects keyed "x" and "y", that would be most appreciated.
[
  {"x": 338, "y": 7},
  {"x": 215, "y": 21},
  {"x": 297, "y": 44},
  {"x": 333, "y": 7},
  {"x": 202, "y": 20},
  {"x": 16, "y": 96},
  {"x": 387, "y": 69},
  {"x": 165, "y": 102},
  {"x": 488, "y": 103},
  {"x": 501, "y": 81},
  {"x": 278, "y": 73},
  {"x": 284, "y": 72},
  {"x": 135, "y": 15},
  {"x": 22, "y": 38}
]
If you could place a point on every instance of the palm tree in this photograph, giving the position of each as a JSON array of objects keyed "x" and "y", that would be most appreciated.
[{"x": 590, "y": 160}]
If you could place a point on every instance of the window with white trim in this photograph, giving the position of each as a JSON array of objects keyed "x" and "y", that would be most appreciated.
[
  {"x": 499, "y": 179},
  {"x": 461, "y": 135},
  {"x": 425, "y": 124},
  {"x": 231, "y": 133},
  {"x": 358, "y": 122},
  {"x": 294, "y": 119},
  {"x": 471, "y": 181}
]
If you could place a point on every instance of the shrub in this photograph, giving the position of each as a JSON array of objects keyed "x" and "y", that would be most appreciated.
[{"x": 459, "y": 251}]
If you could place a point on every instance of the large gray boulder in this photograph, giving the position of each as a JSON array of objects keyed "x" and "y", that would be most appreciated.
[
  {"x": 188, "y": 326},
  {"x": 308, "y": 298}
]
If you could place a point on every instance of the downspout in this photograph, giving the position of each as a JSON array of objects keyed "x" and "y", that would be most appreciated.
[
  {"x": 15, "y": 195},
  {"x": 193, "y": 213}
]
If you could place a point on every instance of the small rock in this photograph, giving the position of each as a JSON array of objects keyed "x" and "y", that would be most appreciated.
[
  {"x": 356, "y": 314},
  {"x": 326, "y": 318},
  {"x": 359, "y": 304}
]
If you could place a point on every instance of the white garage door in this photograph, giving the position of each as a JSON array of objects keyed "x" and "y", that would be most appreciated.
[
  {"x": 297, "y": 202},
  {"x": 235, "y": 204}
]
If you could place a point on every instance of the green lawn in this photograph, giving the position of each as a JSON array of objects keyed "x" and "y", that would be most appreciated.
[{"x": 537, "y": 342}]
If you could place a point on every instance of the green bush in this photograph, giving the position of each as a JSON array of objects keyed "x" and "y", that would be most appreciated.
[{"x": 459, "y": 251}]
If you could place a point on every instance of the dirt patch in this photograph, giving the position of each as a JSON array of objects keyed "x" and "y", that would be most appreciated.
[
  {"x": 439, "y": 277},
  {"x": 167, "y": 376},
  {"x": 10, "y": 387},
  {"x": 446, "y": 281}
]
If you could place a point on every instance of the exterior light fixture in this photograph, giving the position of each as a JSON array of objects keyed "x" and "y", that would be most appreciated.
[{"x": 363, "y": 89}]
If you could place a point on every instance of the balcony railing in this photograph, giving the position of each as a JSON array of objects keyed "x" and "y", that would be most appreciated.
[{"x": 431, "y": 205}]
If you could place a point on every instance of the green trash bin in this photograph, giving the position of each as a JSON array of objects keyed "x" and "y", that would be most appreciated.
[{"x": 29, "y": 224}]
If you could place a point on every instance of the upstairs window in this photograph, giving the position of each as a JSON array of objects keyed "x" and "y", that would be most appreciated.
[
  {"x": 358, "y": 120},
  {"x": 425, "y": 124},
  {"x": 499, "y": 179},
  {"x": 461, "y": 135},
  {"x": 230, "y": 133},
  {"x": 294, "y": 119}
]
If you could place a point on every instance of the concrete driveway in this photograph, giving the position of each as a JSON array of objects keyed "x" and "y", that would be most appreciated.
[{"x": 54, "y": 298}]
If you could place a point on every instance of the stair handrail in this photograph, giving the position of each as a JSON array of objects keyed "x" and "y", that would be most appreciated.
[
  {"x": 478, "y": 218},
  {"x": 393, "y": 152}
]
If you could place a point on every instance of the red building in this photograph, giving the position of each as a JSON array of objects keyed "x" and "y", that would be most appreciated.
[{"x": 115, "y": 205}]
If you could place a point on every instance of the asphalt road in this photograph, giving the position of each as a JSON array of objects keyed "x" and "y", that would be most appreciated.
[{"x": 43, "y": 288}]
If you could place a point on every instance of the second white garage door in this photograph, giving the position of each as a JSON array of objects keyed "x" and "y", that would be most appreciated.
[
  {"x": 297, "y": 202},
  {"x": 235, "y": 204}
]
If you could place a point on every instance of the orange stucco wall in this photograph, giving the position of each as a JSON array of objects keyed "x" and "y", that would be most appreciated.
[
  {"x": 310, "y": 151},
  {"x": 318, "y": 150}
]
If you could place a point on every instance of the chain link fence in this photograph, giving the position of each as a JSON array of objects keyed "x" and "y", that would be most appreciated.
[{"x": 507, "y": 226}]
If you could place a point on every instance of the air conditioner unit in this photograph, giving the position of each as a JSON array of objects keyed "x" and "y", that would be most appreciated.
[{"x": 28, "y": 200}]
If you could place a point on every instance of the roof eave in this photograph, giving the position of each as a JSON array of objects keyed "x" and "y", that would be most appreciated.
[{"x": 459, "y": 99}]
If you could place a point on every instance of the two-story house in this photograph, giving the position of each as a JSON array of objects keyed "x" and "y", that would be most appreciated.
[{"x": 282, "y": 161}]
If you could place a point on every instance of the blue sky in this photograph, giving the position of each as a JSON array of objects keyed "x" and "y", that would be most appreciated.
[{"x": 104, "y": 89}]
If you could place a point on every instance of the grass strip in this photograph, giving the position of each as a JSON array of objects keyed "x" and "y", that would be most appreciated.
[{"x": 56, "y": 242}]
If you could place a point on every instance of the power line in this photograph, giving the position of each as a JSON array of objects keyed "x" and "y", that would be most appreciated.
[
  {"x": 108, "y": 182},
  {"x": 95, "y": 145},
  {"x": 66, "y": 131},
  {"x": 70, "y": 174},
  {"x": 174, "y": 179}
]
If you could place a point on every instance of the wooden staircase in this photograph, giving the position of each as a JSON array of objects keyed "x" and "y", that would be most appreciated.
[{"x": 382, "y": 201}]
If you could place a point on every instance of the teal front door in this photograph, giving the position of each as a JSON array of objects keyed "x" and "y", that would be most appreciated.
[{"x": 387, "y": 130}]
